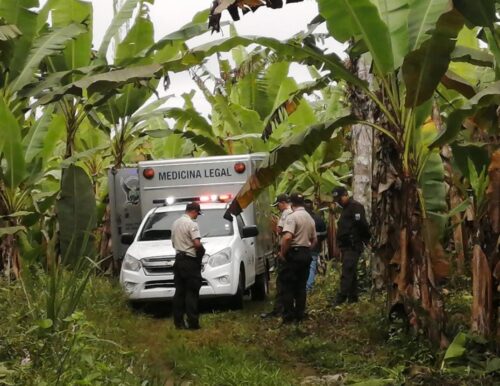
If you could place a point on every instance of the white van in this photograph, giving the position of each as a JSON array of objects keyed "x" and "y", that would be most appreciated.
[{"x": 238, "y": 252}]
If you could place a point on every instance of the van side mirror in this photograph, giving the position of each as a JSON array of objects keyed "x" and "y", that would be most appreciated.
[
  {"x": 127, "y": 238},
  {"x": 249, "y": 231}
]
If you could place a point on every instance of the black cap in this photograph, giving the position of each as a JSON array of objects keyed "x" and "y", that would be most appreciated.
[
  {"x": 193, "y": 206},
  {"x": 283, "y": 197},
  {"x": 338, "y": 192},
  {"x": 297, "y": 199}
]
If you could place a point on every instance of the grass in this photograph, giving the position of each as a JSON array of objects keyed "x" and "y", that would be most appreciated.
[{"x": 238, "y": 348}]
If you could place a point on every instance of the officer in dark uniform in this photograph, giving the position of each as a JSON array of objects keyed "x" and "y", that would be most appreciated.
[
  {"x": 187, "y": 267},
  {"x": 299, "y": 236},
  {"x": 352, "y": 233}
]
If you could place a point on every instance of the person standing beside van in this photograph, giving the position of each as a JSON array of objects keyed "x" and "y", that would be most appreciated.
[
  {"x": 283, "y": 204},
  {"x": 299, "y": 236},
  {"x": 189, "y": 251}
]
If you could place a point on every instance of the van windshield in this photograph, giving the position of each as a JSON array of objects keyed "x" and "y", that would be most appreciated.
[{"x": 158, "y": 226}]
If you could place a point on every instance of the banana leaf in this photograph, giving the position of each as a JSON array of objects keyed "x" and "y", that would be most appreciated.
[
  {"x": 76, "y": 213},
  {"x": 281, "y": 158},
  {"x": 424, "y": 67}
]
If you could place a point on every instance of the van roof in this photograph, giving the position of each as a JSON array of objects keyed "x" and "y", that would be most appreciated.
[{"x": 227, "y": 158}]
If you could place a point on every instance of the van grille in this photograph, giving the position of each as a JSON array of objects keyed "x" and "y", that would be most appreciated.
[
  {"x": 156, "y": 266},
  {"x": 166, "y": 284}
]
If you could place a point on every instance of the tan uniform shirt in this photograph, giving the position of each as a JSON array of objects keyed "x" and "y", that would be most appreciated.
[
  {"x": 301, "y": 225},
  {"x": 184, "y": 231},
  {"x": 284, "y": 215}
]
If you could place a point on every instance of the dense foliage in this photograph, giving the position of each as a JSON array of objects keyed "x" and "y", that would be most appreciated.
[{"x": 69, "y": 112}]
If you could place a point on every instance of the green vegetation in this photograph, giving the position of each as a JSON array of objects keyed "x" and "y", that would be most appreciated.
[
  {"x": 106, "y": 343},
  {"x": 428, "y": 97}
]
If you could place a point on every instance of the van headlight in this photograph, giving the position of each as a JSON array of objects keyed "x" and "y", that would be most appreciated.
[
  {"x": 131, "y": 263},
  {"x": 220, "y": 258}
]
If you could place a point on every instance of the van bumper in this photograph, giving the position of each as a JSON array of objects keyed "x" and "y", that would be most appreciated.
[{"x": 138, "y": 286}]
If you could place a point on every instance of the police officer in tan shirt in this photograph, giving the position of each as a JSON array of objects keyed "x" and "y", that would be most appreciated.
[
  {"x": 299, "y": 236},
  {"x": 187, "y": 268}
]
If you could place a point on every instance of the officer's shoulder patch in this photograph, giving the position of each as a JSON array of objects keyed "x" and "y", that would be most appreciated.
[{"x": 357, "y": 216}]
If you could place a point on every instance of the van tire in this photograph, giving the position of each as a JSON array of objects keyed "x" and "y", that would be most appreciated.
[
  {"x": 236, "y": 301},
  {"x": 260, "y": 288}
]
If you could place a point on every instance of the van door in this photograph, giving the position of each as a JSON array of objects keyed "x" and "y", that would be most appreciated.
[{"x": 248, "y": 255}]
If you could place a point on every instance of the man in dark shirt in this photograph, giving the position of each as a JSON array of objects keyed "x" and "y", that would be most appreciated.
[
  {"x": 321, "y": 235},
  {"x": 352, "y": 233}
]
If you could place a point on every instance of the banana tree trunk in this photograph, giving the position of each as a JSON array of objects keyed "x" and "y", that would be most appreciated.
[
  {"x": 486, "y": 266},
  {"x": 482, "y": 293}
]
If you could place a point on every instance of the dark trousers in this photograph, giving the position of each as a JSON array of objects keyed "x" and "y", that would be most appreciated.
[
  {"x": 278, "y": 302},
  {"x": 349, "y": 278},
  {"x": 293, "y": 279},
  {"x": 187, "y": 281}
]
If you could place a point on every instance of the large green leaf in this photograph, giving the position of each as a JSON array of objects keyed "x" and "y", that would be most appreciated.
[
  {"x": 422, "y": 19},
  {"x": 78, "y": 51},
  {"x": 76, "y": 212},
  {"x": 424, "y": 68},
  {"x": 361, "y": 20},
  {"x": 33, "y": 142},
  {"x": 281, "y": 158},
  {"x": 457, "y": 348},
  {"x": 46, "y": 45},
  {"x": 124, "y": 14},
  {"x": 12, "y": 149},
  {"x": 394, "y": 13}
]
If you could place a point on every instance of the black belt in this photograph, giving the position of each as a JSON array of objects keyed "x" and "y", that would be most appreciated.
[
  {"x": 183, "y": 255},
  {"x": 299, "y": 248}
]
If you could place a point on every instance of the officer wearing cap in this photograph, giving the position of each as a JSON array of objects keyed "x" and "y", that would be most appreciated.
[
  {"x": 352, "y": 233},
  {"x": 283, "y": 204},
  {"x": 299, "y": 236},
  {"x": 187, "y": 267}
]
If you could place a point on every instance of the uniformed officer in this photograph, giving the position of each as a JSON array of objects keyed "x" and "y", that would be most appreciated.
[
  {"x": 352, "y": 233},
  {"x": 187, "y": 267},
  {"x": 321, "y": 236},
  {"x": 299, "y": 235},
  {"x": 283, "y": 204}
]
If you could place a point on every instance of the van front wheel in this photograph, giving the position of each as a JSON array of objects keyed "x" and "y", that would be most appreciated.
[
  {"x": 260, "y": 288},
  {"x": 237, "y": 299}
]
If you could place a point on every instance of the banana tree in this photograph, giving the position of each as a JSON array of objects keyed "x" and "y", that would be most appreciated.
[{"x": 410, "y": 45}]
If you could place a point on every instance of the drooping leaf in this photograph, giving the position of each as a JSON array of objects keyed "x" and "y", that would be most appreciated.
[
  {"x": 280, "y": 158},
  {"x": 46, "y": 45},
  {"x": 288, "y": 50},
  {"x": 457, "y": 347},
  {"x": 360, "y": 19},
  {"x": 424, "y": 67},
  {"x": 76, "y": 209}
]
